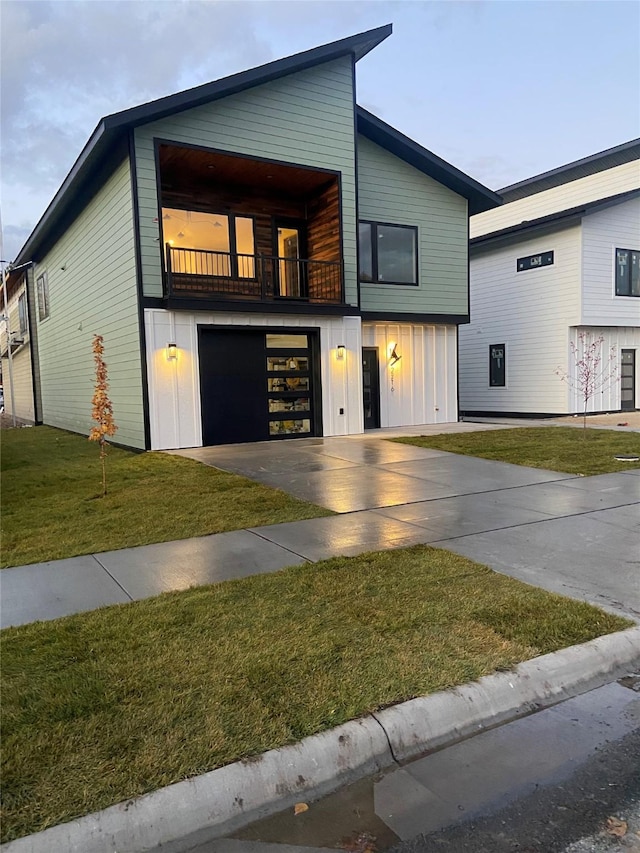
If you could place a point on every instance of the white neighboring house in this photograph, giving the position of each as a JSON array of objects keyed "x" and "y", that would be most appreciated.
[
  {"x": 561, "y": 257},
  {"x": 16, "y": 343}
]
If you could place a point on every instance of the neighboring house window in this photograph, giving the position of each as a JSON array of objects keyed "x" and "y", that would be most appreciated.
[
  {"x": 42, "y": 288},
  {"x": 627, "y": 272},
  {"x": 388, "y": 254},
  {"x": 22, "y": 313},
  {"x": 212, "y": 244},
  {"x": 497, "y": 365}
]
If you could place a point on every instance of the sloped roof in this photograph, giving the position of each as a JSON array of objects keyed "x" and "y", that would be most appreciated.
[
  {"x": 599, "y": 162},
  {"x": 561, "y": 218},
  {"x": 480, "y": 198}
]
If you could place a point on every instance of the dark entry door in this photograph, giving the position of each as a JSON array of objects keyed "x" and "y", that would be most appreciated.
[
  {"x": 628, "y": 380},
  {"x": 371, "y": 387},
  {"x": 233, "y": 388}
]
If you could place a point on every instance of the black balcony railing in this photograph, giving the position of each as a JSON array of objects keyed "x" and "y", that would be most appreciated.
[{"x": 224, "y": 275}]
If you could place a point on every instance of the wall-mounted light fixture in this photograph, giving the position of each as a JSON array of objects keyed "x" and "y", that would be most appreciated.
[
  {"x": 172, "y": 351},
  {"x": 340, "y": 351},
  {"x": 394, "y": 358}
]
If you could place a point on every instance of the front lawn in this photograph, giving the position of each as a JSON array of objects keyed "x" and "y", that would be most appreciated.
[
  {"x": 568, "y": 449},
  {"x": 50, "y": 480},
  {"x": 107, "y": 705}
]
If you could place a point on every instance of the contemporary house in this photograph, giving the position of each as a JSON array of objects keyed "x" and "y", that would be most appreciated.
[
  {"x": 264, "y": 259},
  {"x": 16, "y": 348},
  {"x": 554, "y": 270}
]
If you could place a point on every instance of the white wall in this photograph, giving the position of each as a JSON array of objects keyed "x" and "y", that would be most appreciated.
[
  {"x": 424, "y": 380},
  {"x": 174, "y": 386},
  {"x": 607, "y": 393},
  {"x": 21, "y": 402},
  {"x": 599, "y": 186},
  {"x": 603, "y": 232},
  {"x": 530, "y": 313}
]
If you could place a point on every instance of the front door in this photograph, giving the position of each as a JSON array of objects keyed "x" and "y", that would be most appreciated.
[
  {"x": 371, "y": 387},
  {"x": 628, "y": 380},
  {"x": 290, "y": 267}
]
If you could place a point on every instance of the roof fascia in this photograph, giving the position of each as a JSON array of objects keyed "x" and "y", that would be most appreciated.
[{"x": 480, "y": 198}]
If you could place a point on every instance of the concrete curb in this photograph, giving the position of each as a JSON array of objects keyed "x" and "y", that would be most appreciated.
[{"x": 216, "y": 803}]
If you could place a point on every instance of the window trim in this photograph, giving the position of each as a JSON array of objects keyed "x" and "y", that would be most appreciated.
[
  {"x": 629, "y": 294},
  {"x": 491, "y": 386},
  {"x": 42, "y": 291},
  {"x": 233, "y": 253},
  {"x": 374, "y": 253}
]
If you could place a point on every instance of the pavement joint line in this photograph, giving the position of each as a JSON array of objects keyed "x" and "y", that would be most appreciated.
[
  {"x": 221, "y": 801},
  {"x": 114, "y": 579},
  {"x": 254, "y": 531}
]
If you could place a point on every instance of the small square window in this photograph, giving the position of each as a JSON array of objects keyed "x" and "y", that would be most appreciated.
[
  {"x": 388, "y": 254},
  {"x": 627, "y": 272},
  {"x": 42, "y": 289}
]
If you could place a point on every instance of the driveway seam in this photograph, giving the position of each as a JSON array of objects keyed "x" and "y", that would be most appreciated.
[{"x": 114, "y": 579}]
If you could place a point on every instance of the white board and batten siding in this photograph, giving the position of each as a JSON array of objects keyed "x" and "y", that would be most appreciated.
[
  {"x": 392, "y": 191},
  {"x": 18, "y": 400},
  {"x": 530, "y": 312},
  {"x": 92, "y": 289},
  {"x": 604, "y": 231},
  {"x": 306, "y": 118},
  {"x": 174, "y": 386},
  {"x": 606, "y": 397},
  {"x": 422, "y": 387},
  {"x": 600, "y": 185}
]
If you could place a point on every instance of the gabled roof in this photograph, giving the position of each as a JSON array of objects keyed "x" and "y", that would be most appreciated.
[
  {"x": 561, "y": 218},
  {"x": 599, "y": 162},
  {"x": 110, "y": 130},
  {"x": 480, "y": 198}
]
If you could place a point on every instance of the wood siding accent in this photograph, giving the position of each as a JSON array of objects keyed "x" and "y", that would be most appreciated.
[
  {"x": 92, "y": 289},
  {"x": 306, "y": 118},
  {"x": 392, "y": 191},
  {"x": 603, "y": 184},
  {"x": 323, "y": 237},
  {"x": 530, "y": 312},
  {"x": 603, "y": 232}
]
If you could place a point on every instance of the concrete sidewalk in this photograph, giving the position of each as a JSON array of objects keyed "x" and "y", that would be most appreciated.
[{"x": 574, "y": 535}]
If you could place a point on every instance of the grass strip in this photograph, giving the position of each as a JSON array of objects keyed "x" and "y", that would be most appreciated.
[
  {"x": 567, "y": 449},
  {"x": 104, "y": 706},
  {"x": 50, "y": 479}
]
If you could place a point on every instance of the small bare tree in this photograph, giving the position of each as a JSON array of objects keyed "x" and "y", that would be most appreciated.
[
  {"x": 590, "y": 373},
  {"x": 102, "y": 411}
]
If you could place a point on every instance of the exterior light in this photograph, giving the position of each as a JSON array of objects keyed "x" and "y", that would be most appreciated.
[
  {"x": 340, "y": 351},
  {"x": 172, "y": 352},
  {"x": 394, "y": 358}
]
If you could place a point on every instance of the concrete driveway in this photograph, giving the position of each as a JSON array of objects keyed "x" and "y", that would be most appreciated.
[{"x": 579, "y": 536}]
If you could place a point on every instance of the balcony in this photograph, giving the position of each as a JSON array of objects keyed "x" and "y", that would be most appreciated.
[{"x": 224, "y": 275}]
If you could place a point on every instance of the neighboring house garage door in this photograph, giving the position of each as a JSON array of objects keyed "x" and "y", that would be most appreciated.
[{"x": 258, "y": 385}]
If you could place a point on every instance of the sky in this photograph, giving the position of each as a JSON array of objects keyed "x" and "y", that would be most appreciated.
[{"x": 502, "y": 90}]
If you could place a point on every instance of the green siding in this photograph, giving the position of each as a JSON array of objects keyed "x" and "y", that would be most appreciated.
[
  {"x": 390, "y": 190},
  {"x": 92, "y": 289},
  {"x": 305, "y": 118}
]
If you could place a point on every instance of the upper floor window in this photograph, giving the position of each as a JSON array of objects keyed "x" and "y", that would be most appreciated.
[
  {"x": 22, "y": 313},
  {"x": 627, "y": 272},
  {"x": 388, "y": 254},
  {"x": 42, "y": 289},
  {"x": 214, "y": 244}
]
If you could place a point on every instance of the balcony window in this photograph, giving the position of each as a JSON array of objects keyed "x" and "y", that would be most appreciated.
[
  {"x": 388, "y": 254},
  {"x": 627, "y": 272},
  {"x": 210, "y": 244}
]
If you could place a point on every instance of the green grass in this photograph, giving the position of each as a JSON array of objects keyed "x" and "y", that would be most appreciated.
[
  {"x": 567, "y": 449},
  {"x": 108, "y": 705},
  {"x": 50, "y": 480}
]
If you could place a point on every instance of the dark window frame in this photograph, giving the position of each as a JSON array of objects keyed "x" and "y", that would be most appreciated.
[
  {"x": 22, "y": 314},
  {"x": 626, "y": 281},
  {"x": 542, "y": 259},
  {"x": 374, "y": 224},
  {"x": 42, "y": 289},
  {"x": 233, "y": 245},
  {"x": 502, "y": 375}
]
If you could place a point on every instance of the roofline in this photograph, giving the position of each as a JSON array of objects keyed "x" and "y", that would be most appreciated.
[
  {"x": 561, "y": 171},
  {"x": 480, "y": 198},
  {"x": 113, "y": 125},
  {"x": 552, "y": 218}
]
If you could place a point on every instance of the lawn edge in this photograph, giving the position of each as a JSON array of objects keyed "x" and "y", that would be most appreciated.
[{"x": 221, "y": 801}]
